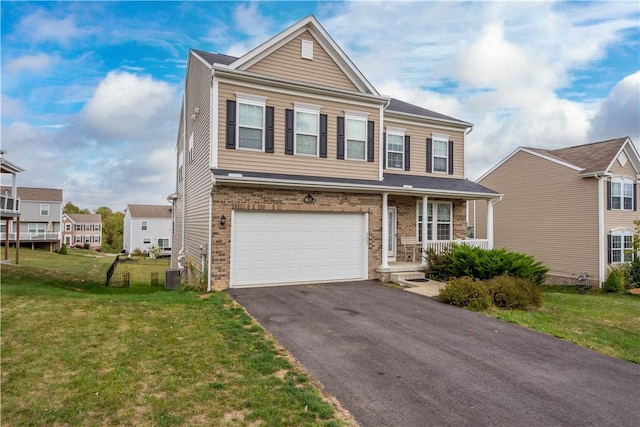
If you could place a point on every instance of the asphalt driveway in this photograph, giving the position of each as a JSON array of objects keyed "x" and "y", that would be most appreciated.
[{"x": 393, "y": 358}]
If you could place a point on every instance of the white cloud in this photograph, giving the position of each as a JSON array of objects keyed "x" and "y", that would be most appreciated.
[
  {"x": 126, "y": 105},
  {"x": 38, "y": 62},
  {"x": 619, "y": 114},
  {"x": 41, "y": 26}
]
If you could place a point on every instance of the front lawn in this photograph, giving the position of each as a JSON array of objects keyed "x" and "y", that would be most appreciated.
[
  {"x": 75, "y": 352},
  {"x": 607, "y": 323}
]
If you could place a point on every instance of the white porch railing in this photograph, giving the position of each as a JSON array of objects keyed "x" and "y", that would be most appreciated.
[
  {"x": 31, "y": 236},
  {"x": 10, "y": 205},
  {"x": 441, "y": 245}
]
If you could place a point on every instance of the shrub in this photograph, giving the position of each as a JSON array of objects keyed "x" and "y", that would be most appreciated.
[
  {"x": 632, "y": 274},
  {"x": 514, "y": 292},
  {"x": 613, "y": 282},
  {"x": 477, "y": 263},
  {"x": 63, "y": 250},
  {"x": 467, "y": 293},
  {"x": 86, "y": 246}
]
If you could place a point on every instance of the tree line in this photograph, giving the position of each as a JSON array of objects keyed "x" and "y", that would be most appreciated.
[{"x": 112, "y": 225}]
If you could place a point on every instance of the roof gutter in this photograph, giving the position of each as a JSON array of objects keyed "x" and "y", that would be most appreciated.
[{"x": 288, "y": 183}]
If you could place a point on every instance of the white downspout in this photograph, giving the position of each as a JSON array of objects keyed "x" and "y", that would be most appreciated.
[
  {"x": 425, "y": 231},
  {"x": 490, "y": 204},
  {"x": 381, "y": 139},
  {"x": 385, "y": 231},
  {"x": 601, "y": 244}
]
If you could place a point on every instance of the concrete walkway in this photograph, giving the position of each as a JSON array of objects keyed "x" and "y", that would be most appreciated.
[{"x": 428, "y": 289}]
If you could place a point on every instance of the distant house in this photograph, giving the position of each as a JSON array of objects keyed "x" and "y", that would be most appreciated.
[
  {"x": 39, "y": 220},
  {"x": 572, "y": 208},
  {"x": 81, "y": 229},
  {"x": 146, "y": 226},
  {"x": 9, "y": 205}
]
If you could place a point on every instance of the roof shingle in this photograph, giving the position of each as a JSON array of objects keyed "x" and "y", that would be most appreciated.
[{"x": 149, "y": 211}]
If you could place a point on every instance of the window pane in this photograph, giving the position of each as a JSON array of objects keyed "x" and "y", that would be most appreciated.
[
  {"x": 628, "y": 190},
  {"x": 250, "y": 115},
  {"x": 429, "y": 212},
  {"x": 443, "y": 232},
  {"x": 616, "y": 202},
  {"x": 395, "y": 143},
  {"x": 439, "y": 164},
  {"x": 355, "y": 149},
  {"x": 616, "y": 189},
  {"x": 306, "y": 144},
  {"x": 356, "y": 129},
  {"x": 440, "y": 148},
  {"x": 394, "y": 160},
  {"x": 307, "y": 123},
  {"x": 250, "y": 138},
  {"x": 444, "y": 212}
]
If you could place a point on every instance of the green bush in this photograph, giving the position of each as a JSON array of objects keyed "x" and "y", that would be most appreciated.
[
  {"x": 632, "y": 274},
  {"x": 466, "y": 293},
  {"x": 613, "y": 282},
  {"x": 477, "y": 263},
  {"x": 63, "y": 250},
  {"x": 514, "y": 292}
]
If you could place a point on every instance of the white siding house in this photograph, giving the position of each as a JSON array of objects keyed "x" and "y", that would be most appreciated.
[{"x": 146, "y": 226}]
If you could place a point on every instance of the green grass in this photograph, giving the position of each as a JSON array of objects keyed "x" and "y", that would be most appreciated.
[
  {"x": 75, "y": 352},
  {"x": 606, "y": 323}
]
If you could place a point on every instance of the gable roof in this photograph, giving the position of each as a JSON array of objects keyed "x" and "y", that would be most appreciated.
[
  {"x": 84, "y": 218},
  {"x": 397, "y": 106},
  {"x": 595, "y": 158},
  {"x": 36, "y": 194},
  {"x": 149, "y": 211}
]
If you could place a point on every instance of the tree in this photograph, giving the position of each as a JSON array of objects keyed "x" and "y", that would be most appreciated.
[
  {"x": 70, "y": 208},
  {"x": 112, "y": 229}
]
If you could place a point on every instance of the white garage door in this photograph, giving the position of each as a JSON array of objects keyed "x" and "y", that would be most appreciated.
[{"x": 272, "y": 248}]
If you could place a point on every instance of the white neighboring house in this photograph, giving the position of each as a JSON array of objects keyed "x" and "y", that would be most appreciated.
[{"x": 146, "y": 226}]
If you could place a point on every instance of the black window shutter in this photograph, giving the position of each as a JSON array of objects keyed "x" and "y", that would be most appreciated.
[
  {"x": 340, "y": 138},
  {"x": 429, "y": 154},
  {"x": 384, "y": 151},
  {"x": 288, "y": 134},
  {"x": 371, "y": 127},
  {"x": 407, "y": 152},
  {"x": 450, "y": 157},
  {"x": 323, "y": 136},
  {"x": 231, "y": 124},
  {"x": 609, "y": 248},
  {"x": 268, "y": 135},
  {"x": 608, "y": 195},
  {"x": 635, "y": 197}
]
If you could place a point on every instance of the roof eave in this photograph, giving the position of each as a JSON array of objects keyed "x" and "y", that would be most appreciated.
[{"x": 428, "y": 119}]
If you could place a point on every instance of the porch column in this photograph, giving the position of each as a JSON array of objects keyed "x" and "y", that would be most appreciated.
[
  {"x": 385, "y": 231},
  {"x": 425, "y": 234},
  {"x": 6, "y": 239},
  {"x": 490, "y": 204}
]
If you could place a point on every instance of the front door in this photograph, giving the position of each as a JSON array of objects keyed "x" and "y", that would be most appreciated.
[{"x": 392, "y": 213}]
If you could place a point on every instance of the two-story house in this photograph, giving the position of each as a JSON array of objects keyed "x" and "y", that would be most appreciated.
[
  {"x": 571, "y": 208},
  {"x": 292, "y": 168},
  {"x": 79, "y": 230},
  {"x": 9, "y": 206},
  {"x": 39, "y": 222},
  {"x": 147, "y": 226}
]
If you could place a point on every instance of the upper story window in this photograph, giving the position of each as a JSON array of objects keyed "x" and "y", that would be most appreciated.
[
  {"x": 191, "y": 148},
  {"x": 96, "y": 227},
  {"x": 44, "y": 209},
  {"x": 67, "y": 227},
  {"x": 395, "y": 148},
  {"x": 440, "y": 154},
  {"x": 143, "y": 225},
  {"x": 622, "y": 194},
  {"x": 356, "y": 135},
  {"x": 307, "y": 126},
  {"x": 180, "y": 167},
  {"x": 251, "y": 111}
]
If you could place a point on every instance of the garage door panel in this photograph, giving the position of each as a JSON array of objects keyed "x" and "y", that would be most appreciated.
[{"x": 294, "y": 247}]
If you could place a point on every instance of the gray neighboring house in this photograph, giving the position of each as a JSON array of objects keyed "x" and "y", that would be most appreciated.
[
  {"x": 146, "y": 226},
  {"x": 39, "y": 222}
]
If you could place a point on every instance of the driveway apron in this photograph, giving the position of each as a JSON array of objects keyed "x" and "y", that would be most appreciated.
[{"x": 393, "y": 358}]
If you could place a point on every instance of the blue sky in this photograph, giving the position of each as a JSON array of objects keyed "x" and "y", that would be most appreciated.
[{"x": 91, "y": 90}]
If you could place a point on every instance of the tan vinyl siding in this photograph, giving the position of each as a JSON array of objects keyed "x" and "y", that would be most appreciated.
[
  {"x": 548, "y": 211},
  {"x": 278, "y": 161},
  {"x": 197, "y": 173},
  {"x": 287, "y": 63},
  {"x": 418, "y": 149}
]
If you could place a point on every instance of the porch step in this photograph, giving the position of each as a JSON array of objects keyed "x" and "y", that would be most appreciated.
[{"x": 408, "y": 278}]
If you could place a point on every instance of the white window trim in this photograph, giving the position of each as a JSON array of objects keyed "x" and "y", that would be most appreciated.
[
  {"x": 622, "y": 180},
  {"x": 622, "y": 233},
  {"x": 401, "y": 133},
  {"x": 440, "y": 138},
  {"x": 67, "y": 227},
  {"x": 191, "y": 148},
  {"x": 308, "y": 109},
  {"x": 44, "y": 206},
  {"x": 434, "y": 221},
  {"x": 250, "y": 99},
  {"x": 144, "y": 225},
  {"x": 359, "y": 116}
]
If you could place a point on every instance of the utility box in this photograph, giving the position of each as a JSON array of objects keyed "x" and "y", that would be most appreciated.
[{"x": 172, "y": 279}]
